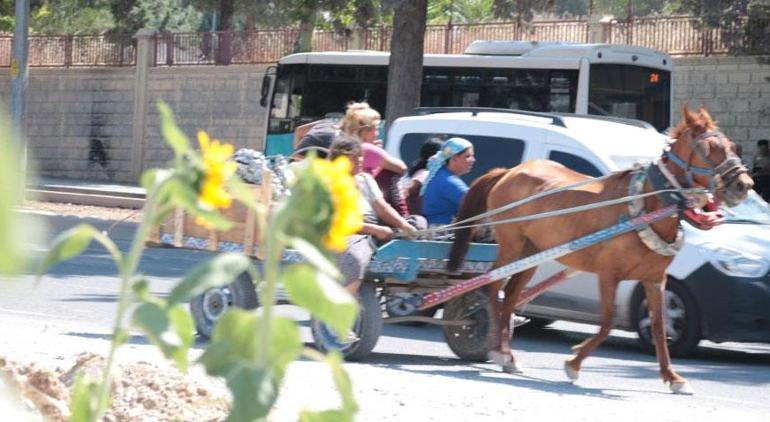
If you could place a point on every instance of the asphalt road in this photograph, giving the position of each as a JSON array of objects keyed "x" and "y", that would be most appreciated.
[{"x": 412, "y": 372}]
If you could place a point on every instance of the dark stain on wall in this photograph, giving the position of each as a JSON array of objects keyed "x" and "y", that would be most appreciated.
[{"x": 99, "y": 148}]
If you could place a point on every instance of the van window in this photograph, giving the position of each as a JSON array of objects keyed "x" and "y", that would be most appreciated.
[
  {"x": 573, "y": 162},
  {"x": 490, "y": 151}
]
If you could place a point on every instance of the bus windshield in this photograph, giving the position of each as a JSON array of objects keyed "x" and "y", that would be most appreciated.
[{"x": 630, "y": 91}]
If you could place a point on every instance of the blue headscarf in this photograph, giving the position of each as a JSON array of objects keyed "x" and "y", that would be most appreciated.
[{"x": 451, "y": 147}]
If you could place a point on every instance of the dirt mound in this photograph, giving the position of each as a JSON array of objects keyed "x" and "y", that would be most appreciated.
[{"x": 140, "y": 391}]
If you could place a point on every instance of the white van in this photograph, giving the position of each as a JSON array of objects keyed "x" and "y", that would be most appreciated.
[{"x": 719, "y": 287}]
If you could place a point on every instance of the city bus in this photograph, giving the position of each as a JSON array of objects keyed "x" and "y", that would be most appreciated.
[{"x": 604, "y": 79}]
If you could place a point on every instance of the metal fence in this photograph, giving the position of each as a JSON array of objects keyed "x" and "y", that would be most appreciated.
[
  {"x": 676, "y": 35},
  {"x": 74, "y": 50}
]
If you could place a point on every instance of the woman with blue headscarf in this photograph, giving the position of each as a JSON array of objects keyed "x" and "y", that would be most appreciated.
[{"x": 444, "y": 190}]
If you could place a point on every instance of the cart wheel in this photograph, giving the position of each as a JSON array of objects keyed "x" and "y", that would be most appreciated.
[
  {"x": 209, "y": 306},
  {"x": 473, "y": 341},
  {"x": 367, "y": 327}
]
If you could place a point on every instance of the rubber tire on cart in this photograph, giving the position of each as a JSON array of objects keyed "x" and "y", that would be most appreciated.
[
  {"x": 681, "y": 313},
  {"x": 368, "y": 327},
  {"x": 209, "y": 306},
  {"x": 474, "y": 341}
]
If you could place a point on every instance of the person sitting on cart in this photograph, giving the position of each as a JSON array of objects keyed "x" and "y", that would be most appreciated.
[
  {"x": 376, "y": 212},
  {"x": 418, "y": 172},
  {"x": 362, "y": 245},
  {"x": 363, "y": 122},
  {"x": 444, "y": 190}
]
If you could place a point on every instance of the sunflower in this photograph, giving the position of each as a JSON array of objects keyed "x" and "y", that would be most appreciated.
[
  {"x": 217, "y": 170},
  {"x": 348, "y": 217}
]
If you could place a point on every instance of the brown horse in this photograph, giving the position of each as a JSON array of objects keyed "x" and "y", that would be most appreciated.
[{"x": 699, "y": 156}]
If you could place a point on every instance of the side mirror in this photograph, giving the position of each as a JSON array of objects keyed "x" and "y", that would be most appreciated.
[{"x": 264, "y": 90}]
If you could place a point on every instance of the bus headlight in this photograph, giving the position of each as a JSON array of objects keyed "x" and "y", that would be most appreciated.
[{"x": 734, "y": 262}]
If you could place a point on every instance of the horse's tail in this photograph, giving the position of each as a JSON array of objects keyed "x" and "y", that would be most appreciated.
[{"x": 474, "y": 203}]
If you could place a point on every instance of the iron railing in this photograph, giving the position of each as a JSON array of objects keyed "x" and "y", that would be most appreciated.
[
  {"x": 676, "y": 35},
  {"x": 74, "y": 50}
]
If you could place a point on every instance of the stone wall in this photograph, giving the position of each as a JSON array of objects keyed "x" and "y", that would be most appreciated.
[
  {"x": 222, "y": 100},
  {"x": 80, "y": 122},
  {"x": 736, "y": 90}
]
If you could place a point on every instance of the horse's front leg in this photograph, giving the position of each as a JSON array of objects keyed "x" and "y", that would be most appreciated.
[
  {"x": 655, "y": 293},
  {"x": 608, "y": 285},
  {"x": 504, "y": 357}
]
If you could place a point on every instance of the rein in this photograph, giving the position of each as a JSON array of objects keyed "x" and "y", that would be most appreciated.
[{"x": 463, "y": 223}]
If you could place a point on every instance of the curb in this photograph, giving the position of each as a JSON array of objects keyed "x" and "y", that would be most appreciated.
[{"x": 86, "y": 197}]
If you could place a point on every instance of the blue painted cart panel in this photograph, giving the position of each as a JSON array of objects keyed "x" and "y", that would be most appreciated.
[{"x": 405, "y": 259}]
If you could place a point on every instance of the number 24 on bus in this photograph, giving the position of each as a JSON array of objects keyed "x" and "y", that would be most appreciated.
[{"x": 605, "y": 79}]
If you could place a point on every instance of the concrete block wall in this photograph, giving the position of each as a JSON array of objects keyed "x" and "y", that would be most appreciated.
[
  {"x": 735, "y": 90},
  {"x": 80, "y": 121},
  {"x": 222, "y": 100}
]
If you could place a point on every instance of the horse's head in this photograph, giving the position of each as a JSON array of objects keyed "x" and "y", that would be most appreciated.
[{"x": 703, "y": 156}]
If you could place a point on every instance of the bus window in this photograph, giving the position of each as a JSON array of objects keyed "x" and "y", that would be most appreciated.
[
  {"x": 289, "y": 88},
  {"x": 563, "y": 86},
  {"x": 466, "y": 87},
  {"x": 333, "y": 87},
  {"x": 436, "y": 88},
  {"x": 630, "y": 91}
]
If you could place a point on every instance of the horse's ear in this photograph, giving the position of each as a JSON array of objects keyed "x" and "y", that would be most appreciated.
[
  {"x": 706, "y": 116},
  {"x": 689, "y": 117}
]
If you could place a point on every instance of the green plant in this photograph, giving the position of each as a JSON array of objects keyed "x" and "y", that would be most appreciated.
[{"x": 249, "y": 349}]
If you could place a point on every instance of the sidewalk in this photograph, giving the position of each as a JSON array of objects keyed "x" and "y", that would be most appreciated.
[{"x": 85, "y": 192}]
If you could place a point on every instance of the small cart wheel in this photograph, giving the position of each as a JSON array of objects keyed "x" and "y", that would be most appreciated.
[
  {"x": 368, "y": 327},
  {"x": 472, "y": 341},
  {"x": 209, "y": 306}
]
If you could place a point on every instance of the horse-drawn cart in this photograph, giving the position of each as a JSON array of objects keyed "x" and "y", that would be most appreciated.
[
  {"x": 399, "y": 274},
  {"x": 406, "y": 280}
]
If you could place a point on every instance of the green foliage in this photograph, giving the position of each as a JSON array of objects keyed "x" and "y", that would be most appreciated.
[
  {"x": 168, "y": 326},
  {"x": 73, "y": 242},
  {"x": 13, "y": 256},
  {"x": 71, "y": 17},
  {"x": 84, "y": 403},
  {"x": 250, "y": 350},
  {"x": 163, "y": 15},
  {"x": 321, "y": 295},
  {"x": 234, "y": 353},
  {"x": 220, "y": 270},
  {"x": 309, "y": 222}
]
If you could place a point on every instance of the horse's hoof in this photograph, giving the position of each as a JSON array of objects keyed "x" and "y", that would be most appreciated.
[
  {"x": 505, "y": 360},
  {"x": 513, "y": 368},
  {"x": 681, "y": 387},
  {"x": 572, "y": 374}
]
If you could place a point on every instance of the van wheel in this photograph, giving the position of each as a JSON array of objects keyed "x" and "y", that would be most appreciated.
[
  {"x": 682, "y": 320},
  {"x": 209, "y": 306}
]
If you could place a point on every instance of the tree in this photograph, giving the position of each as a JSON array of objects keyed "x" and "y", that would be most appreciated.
[
  {"x": 163, "y": 15},
  {"x": 743, "y": 24},
  {"x": 70, "y": 17},
  {"x": 406, "y": 51}
]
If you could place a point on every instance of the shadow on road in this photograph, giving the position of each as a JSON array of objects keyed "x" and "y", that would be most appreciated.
[{"x": 134, "y": 339}]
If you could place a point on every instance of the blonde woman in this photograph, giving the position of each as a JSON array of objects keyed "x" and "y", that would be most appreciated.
[{"x": 363, "y": 122}]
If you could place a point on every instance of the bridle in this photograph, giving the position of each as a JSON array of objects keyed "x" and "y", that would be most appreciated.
[{"x": 722, "y": 174}]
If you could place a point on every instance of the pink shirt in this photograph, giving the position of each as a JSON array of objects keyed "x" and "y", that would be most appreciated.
[{"x": 373, "y": 158}]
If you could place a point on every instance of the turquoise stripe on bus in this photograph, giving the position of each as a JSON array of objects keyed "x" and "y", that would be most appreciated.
[{"x": 279, "y": 144}]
